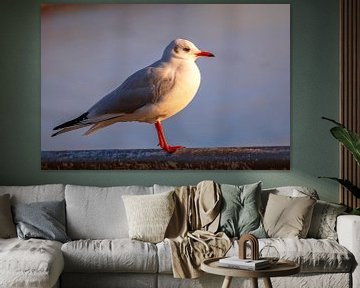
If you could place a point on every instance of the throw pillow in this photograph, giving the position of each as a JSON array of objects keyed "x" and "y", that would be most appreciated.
[
  {"x": 287, "y": 217},
  {"x": 44, "y": 220},
  {"x": 7, "y": 227},
  {"x": 149, "y": 215},
  {"x": 323, "y": 222},
  {"x": 240, "y": 210},
  {"x": 293, "y": 191}
]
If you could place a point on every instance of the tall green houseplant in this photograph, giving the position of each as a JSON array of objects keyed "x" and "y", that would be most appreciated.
[{"x": 351, "y": 142}]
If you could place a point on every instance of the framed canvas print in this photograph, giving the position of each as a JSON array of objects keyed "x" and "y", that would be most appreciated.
[{"x": 165, "y": 86}]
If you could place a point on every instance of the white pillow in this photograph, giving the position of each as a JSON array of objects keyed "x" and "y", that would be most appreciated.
[{"x": 149, "y": 215}]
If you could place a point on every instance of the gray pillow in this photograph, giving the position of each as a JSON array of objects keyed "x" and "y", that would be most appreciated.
[
  {"x": 7, "y": 227},
  {"x": 240, "y": 210},
  {"x": 323, "y": 222},
  {"x": 44, "y": 220}
]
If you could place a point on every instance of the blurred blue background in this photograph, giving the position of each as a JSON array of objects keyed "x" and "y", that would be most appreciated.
[{"x": 244, "y": 97}]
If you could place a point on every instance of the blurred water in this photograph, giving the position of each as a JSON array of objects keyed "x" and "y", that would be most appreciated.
[{"x": 244, "y": 97}]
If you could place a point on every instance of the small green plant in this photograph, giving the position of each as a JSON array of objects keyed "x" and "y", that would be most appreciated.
[
  {"x": 356, "y": 211},
  {"x": 351, "y": 141}
]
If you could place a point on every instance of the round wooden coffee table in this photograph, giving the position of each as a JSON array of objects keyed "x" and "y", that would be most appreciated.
[{"x": 281, "y": 268}]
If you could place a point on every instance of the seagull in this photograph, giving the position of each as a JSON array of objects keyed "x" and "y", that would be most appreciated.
[{"x": 150, "y": 95}]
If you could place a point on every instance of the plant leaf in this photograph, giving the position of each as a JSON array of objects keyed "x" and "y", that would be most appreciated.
[
  {"x": 347, "y": 184},
  {"x": 333, "y": 121},
  {"x": 348, "y": 138},
  {"x": 355, "y": 211}
]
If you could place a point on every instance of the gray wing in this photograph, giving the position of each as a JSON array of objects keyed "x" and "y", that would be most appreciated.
[{"x": 143, "y": 87}]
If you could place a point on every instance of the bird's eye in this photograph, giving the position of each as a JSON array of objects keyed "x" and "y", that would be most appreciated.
[{"x": 186, "y": 49}]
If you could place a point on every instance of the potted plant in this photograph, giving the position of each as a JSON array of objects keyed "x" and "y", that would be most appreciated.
[{"x": 351, "y": 141}]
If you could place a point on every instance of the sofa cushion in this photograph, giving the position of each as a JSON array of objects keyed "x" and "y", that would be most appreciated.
[
  {"x": 109, "y": 280},
  {"x": 287, "y": 216},
  {"x": 43, "y": 220},
  {"x": 149, "y": 215},
  {"x": 240, "y": 210},
  {"x": 98, "y": 213},
  {"x": 163, "y": 188},
  {"x": 116, "y": 255},
  {"x": 164, "y": 257},
  {"x": 323, "y": 222},
  {"x": 313, "y": 255},
  {"x": 37, "y": 193},
  {"x": 30, "y": 263},
  {"x": 7, "y": 226},
  {"x": 291, "y": 191}
]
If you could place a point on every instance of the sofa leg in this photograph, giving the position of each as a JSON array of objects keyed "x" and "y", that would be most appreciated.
[
  {"x": 227, "y": 282},
  {"x": 267, "y": 282}
]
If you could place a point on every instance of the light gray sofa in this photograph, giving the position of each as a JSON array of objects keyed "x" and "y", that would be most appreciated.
[{"x": 101, "y": 254}]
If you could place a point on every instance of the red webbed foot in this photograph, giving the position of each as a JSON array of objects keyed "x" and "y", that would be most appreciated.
[
  {"x": 171, "y": 149},
  {"x": 162, "y": 140}
]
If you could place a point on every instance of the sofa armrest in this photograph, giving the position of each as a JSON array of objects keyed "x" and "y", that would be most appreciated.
[{"x": 348, "y": 230}]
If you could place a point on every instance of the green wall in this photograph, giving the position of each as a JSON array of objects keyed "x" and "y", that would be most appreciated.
[{"x": 314, "y": 93}]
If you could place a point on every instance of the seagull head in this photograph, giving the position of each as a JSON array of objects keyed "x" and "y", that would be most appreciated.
[{"x": 184, "y": 49}]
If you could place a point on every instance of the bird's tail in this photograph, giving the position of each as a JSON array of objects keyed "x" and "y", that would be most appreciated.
[
  {"x": 98, "y": 126},
  {"x": 72, "y": 124}
]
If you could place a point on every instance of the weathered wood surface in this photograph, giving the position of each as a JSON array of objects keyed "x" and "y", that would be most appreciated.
[{"x": 229, "y": 158}]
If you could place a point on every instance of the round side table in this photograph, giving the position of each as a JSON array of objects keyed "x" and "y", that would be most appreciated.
[{"x": 281, "y": 268}]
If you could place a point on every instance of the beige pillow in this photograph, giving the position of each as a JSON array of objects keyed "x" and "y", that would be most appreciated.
[
  {"x": 288, "y": 217},
  {"x": 149, "y": 215},
  {"x": 7, "y": 226}
]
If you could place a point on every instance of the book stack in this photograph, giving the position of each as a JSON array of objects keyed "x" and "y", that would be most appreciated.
[{"x": 248, "y": 264}]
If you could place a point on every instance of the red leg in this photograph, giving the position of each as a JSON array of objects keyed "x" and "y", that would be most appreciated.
[
  {"x": 160, "y": 133},
  {"x": 162, "y": 140}
]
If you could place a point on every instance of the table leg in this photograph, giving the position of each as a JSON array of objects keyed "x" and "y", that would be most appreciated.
[
  {"x": 254, "y": 282},
  {"x": 227, "y": 282},
  {"x": 267, "y": 283}
]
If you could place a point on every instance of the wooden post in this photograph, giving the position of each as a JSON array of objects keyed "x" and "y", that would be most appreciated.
[{"x": 349, "y": 91}]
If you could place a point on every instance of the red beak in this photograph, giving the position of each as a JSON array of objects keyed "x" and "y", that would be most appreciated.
[{"x": 205, "y": 53}]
